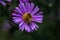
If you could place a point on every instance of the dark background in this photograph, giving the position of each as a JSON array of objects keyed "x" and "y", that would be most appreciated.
[{"x": 48, "y": 30}]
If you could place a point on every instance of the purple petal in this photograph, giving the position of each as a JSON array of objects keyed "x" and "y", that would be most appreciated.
[
  {"x": 17, "y": 20},
  {"x": 35, "y": 10},
  {"x": 28, "y": 8},
  {"x": 20, "y": 6},
  {"x": 21, "y": 26},
  {"x": 26, "y": 4},
  {"x": 21, "y": 23},
  {"x": 34, "y": 26},
  {"x": 23, "y": 6},
  {"x": 17, "y": 15},
  {"x": 3, "y": 3},
  {"x": 27, "y": 28},
  {"x": 37, "y": 18},
  {"x": 19, "y": 11},
  {"x": 31, "y": 7}
]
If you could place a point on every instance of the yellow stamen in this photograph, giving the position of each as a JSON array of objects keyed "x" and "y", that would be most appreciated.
[{"x": 27, "y": 17}]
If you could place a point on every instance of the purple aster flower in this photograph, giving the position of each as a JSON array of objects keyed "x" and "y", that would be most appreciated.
[
  {"x": 3, "y": 3},
  {"x": 26, "y": 15}
]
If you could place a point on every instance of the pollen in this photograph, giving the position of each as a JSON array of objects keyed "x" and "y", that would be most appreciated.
[{"x": 27, "y": 18}]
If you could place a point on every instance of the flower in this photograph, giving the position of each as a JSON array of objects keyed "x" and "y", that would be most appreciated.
[
  {"x": 26, "y": 15},
  {"x": 3, "y": 3}
]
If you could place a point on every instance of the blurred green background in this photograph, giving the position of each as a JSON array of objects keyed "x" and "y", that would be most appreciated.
[{"x": 48, "y": 30}]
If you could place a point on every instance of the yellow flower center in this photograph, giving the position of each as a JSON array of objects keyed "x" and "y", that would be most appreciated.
[{"x": 27, "y": 18}]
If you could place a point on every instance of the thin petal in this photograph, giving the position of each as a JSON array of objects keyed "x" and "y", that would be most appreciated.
[
  {"x": 17, "y": 15},
  {"x": 23, "y": 6},
  {"x": 26, "y": 4},
  {"x": 28, "y": 7},
  {"x": 19, "y": 11},
  {"x": 34, "y": 26},
  {"x": 17, "y": 20},
  {"x": 37, "y": 18},
  {"x": 3, "y": 3},
  {"x": 35, "y": 10},
  {"x": 27, "y": 28},
  {"x": 21, "y": 26},
  {"x": 32, "y": 6}
]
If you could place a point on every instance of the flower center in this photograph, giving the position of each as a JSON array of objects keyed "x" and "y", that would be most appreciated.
[{"x": 27, "y": 18}]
